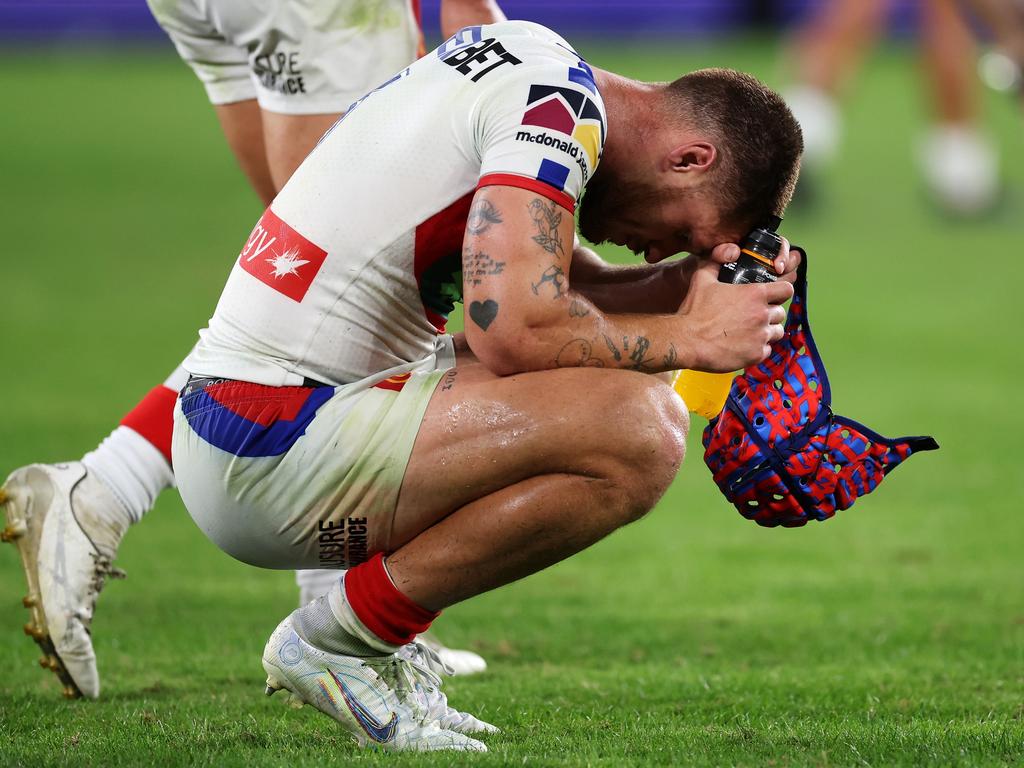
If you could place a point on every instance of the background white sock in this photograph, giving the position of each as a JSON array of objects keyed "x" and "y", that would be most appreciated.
[
  {"x": 818, "y": 115},
  {"x": 133, "y": 470},
  {"x": 314, "y": 583}
]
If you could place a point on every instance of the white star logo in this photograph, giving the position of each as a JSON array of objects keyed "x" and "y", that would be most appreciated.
[{"x": 287, "y": 263}]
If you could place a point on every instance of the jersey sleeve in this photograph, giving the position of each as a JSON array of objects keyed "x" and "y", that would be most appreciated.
[{"x": 542, "y": 127}]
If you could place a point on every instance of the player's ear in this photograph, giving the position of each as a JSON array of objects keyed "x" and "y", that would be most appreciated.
[{"x": 693, "y": 156}]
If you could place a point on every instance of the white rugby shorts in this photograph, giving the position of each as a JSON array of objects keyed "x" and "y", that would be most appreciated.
[
  {"x": 300, "y": 477},
  {"x": 296, "y": 58}
]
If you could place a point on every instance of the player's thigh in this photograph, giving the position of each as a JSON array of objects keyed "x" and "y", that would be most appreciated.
[{"x": 481, "y": 433}]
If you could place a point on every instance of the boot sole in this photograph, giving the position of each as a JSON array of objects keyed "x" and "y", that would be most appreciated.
[{"x": 23, "y": 531}]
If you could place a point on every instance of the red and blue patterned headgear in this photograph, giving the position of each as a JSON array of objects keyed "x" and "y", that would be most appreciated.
[{"x": 778, "y": 452}]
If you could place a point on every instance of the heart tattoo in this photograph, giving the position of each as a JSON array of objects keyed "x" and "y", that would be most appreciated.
[{"x": 483, "y": 312}]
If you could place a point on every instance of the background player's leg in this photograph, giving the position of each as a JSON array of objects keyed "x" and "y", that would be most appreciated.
[
  {"x": 74, "y": 516},
  {"x": 828, "y": 51},
  {"x": 134, "y": 461},
  {"x": 242, "y": 124},
  {"x": 289, "y": 138},
  {"x": 958, "y": 161}
]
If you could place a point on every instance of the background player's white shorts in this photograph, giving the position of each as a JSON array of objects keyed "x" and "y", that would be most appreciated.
[
  {"x": 297, "y": 58},
  {"x": 299, "y": 477}
]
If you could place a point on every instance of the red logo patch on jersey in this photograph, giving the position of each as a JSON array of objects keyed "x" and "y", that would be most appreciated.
[{"x": 278, "y": 256}]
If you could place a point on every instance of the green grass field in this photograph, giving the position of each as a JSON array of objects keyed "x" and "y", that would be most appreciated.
[{"x": 891, "y": 635}]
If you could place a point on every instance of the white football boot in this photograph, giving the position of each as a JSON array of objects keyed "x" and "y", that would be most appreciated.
[
  {"x": 374, "y": 699},
  {"x": 314, "y": 583},
  {"x": 428, "y": 668},
  {"x": 961, "y": 168},
  {"x": 66, "y": 550}
]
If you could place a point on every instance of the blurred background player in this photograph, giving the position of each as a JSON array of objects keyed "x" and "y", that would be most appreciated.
[
  {"x": 958, "y": 161},
  {"x": 1003, "y": 68},
  {"x": 278, "y": 74}
]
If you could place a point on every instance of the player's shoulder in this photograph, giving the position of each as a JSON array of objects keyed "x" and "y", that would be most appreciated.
[
  {"x": 515, "y": 50},
  {"x": 530, "y": 33}
]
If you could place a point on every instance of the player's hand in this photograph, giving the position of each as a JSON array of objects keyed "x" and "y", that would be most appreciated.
[
  {"x": 730, "y": 327},
  {"x": 785, "y": 263}
]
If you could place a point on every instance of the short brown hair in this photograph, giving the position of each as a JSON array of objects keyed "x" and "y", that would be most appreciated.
[{"x": 759, "y": 141}]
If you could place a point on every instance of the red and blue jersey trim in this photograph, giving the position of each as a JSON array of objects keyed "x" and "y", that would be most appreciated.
[{"x": 251, "y": 420}]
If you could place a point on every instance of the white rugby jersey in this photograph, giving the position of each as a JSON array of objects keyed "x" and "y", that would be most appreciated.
[{"x": 353, "y": 269}]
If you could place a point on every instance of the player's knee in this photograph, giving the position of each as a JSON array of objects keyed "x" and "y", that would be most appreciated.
[{"x": 652, "y": 424}]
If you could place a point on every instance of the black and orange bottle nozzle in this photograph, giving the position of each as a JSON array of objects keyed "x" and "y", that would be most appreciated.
[{"x": 758, "y": 252}]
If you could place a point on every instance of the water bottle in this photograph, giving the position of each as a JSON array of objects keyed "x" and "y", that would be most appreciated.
[{"x": 706, "y": 393}]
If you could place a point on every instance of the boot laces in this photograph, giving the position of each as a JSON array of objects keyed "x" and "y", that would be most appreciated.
[
  {"x": 103, "y": 569},
  {"x": 404, "y": 680}
]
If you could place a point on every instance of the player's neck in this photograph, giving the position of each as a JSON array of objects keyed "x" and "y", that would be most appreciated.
[{"x": 631, "y": 107}]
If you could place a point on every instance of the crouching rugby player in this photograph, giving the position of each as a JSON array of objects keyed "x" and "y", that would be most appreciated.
[{"x": 330, "y": 422}]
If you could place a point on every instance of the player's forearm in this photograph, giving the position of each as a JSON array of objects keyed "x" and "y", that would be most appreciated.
[
  {"x": 641, "y": 288},
  {"x": 456, "y": 14},
  {"x": 579, "y": 334}
]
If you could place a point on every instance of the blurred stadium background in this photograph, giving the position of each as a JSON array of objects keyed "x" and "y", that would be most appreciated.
[{"x": 891, "y": 635}]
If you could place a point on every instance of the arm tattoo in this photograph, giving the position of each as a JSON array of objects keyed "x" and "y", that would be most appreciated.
[
  {"x": 577, "y": 353},
  {"x": 547, "y": 218},
  {"x": 640, "y": 362},
  {"x": 481, "y": 216},
  {"x": 638, "y": 355},
  {"x": 672, "y": 358},
  {"x": 483, "y": 312},
  {"x": 611, "y": 348},
  {"x": 476, "y": 265},
  {"x": 556, "y": 277},
  {"x": 578, "y": 309}
]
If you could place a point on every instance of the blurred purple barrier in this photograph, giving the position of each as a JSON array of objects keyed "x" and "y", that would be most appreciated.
[{"x": 58, "y": 21}]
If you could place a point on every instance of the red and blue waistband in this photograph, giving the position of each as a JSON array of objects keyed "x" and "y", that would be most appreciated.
[{"x": 246, "y": 419}]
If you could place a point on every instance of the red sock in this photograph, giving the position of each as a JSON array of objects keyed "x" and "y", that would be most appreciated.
[
  {"x": 153, "y": 418},
  {"x": 385, "y": 611}
]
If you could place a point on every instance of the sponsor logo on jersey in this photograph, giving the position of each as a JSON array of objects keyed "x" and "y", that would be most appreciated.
[
  {"x": 470, "y": 54},
  {"x": 278, "y": 256},
  {"x": 550, "y": 170},
  {"x": 570, "y": 112}
]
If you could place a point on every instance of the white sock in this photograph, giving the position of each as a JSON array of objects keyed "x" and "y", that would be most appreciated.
[
  {"x": 818, "y": 115},
  {"x": 133, "y": 470},
  {"x": 130, "y": 466},
  {"x": 352, "y": 624},
  {"x": 961, "y": 167},
  {"x": 314, "y": 583}
]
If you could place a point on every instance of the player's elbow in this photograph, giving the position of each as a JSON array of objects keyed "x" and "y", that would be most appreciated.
[{"x": 507, "y": 351}]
